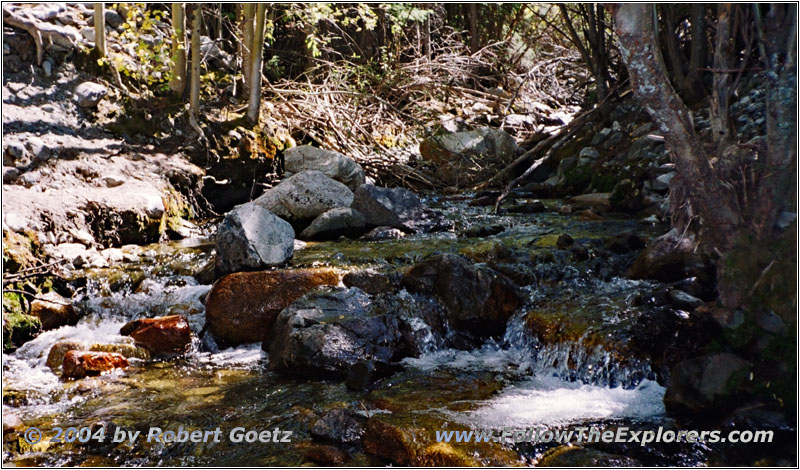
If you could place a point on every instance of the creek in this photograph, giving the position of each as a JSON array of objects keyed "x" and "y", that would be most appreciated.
[{"x": 515, "y": 380}]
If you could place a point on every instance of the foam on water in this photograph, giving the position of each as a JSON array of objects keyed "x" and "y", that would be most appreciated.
[
  {"x": 245, "y": 355},
  {"x": 552, "y": 402}
]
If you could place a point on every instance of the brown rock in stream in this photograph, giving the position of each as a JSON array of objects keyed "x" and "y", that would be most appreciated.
[
  {"x": 163, "y": 335},
  {"x": 242, "y": 307},
  {"x": 79, "y": 364}
]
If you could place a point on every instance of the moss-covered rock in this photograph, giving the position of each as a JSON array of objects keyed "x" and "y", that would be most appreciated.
[{"x": 18, "y": 327}]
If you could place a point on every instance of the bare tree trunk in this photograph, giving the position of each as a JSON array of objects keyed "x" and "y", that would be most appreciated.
[
  {"x": 707, "y": 199},
  {"x": 778, "y": 183},
  {"x": 193, "y": 11},
  {"x": 723, "y": 76},
  {"x": 248, "y": 16},
  {"x": 472, "y": 20},
  {"x": 177, "y": 82},
  {"x": 100, "y": 28},
  {"x": 255, "y": 64},
  {"x": 694, "y": 82},
  {"x": 670, "y": 41},
  {"x": 426, "y": 36},
  {"x": 219, "y": 22}
]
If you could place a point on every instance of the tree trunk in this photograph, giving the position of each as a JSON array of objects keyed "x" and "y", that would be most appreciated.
[
  {"x": 256, "y": 60},
  {"x": 426, "y": 36},
  {"x": 670, "y": 41},
  {"x": 193, "y": 12},
  {"x": 694, "y": 91},
  {"x": 714, "y": 204},
  {"x": 723, "y": 63},
  {"x": 248, "y": 20},
  {"x": 100, "y": 28},
  {"x": 472, "y": 20},
  {"x": 177, "y": 82},
  {"x": 778, "y": 184}
]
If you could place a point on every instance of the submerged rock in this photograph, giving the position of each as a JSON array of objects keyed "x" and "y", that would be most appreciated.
[
  {"x": 327, "y": 455},
  {"x": 572, "y": 456},
  {"x": 162, "y": 336},
  {"x": 599, "y": 200},
  {"x": 328, "y": 331},
  {"x": 399, "y": 208},
  {"x": 79, "y": 364},
  {"x": 241, "y": 307},
  {"x": 404, "y": 442},
  {"x": 339, "y": 425},
  {"x": 303, "y": 197},
  {"x": 332, "y": 164},
  {"x": 477, "y": 298},
  {"x": 483, "y": 230},
  {"x": 251, "y": 237}
]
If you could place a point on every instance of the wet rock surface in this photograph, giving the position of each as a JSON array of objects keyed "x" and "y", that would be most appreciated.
[
  {"x": 478, "y": 299},
  {"x": 78, "y": 364},
  {"x": 242, "y": 307},
  {"x": 53, "y": 311},
  {"x": 412, "y": 356},
  {"x": 161, "y": 336},
  {"x": 328, "y": 331}
]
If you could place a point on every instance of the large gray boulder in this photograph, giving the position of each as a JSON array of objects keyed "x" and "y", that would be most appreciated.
[
  {"x": 303, "y": 197},
  {"x": 251, "y": 237},
  {"x": 399, "y": 208},
  {"x": 332, "y": 164},
  {"x": 329, "y": 330},
  {"x": 340, "y": 221}
]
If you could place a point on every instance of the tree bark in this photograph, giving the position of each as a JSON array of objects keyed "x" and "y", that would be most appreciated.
[
  {"x": 248, "y": 23},
  {"x": 670, "y": 41},
  {"x": 721, "y": 125},
  {"x": 694, "y": 91},
  {"x": 193, "y": 12},
  {"x": 100, "y": 28},
  {"x": 177, "y": 82},
  {"x": 256, "y": 62},
  {"x": 472, "y": 20},
  {"x": 778, "y": 184},
  {"x": 714, "y": 204}
]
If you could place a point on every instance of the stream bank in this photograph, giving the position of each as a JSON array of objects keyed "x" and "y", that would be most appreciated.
[{"x": 436, "y": 315}]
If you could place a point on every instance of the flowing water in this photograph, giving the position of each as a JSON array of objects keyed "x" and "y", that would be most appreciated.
[{"x": 515, "y": 380}]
